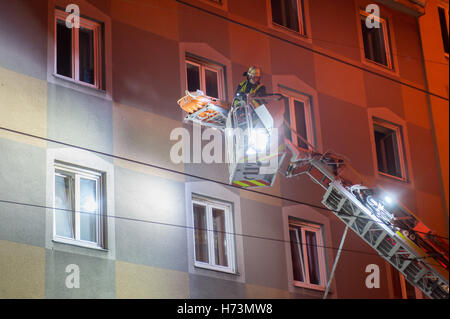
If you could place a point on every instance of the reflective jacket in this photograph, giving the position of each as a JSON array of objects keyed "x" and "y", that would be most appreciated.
[{"x": 247, "y": 88}]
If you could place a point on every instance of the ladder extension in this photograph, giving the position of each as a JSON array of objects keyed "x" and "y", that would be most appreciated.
[{"x": 418, "y": 268}]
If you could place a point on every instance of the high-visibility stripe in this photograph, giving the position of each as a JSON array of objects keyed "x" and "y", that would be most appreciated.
[
  {"x": 238, "y": 183},
  {"x": 250, "y": 183},
  {"x": 257, "y": 183}
]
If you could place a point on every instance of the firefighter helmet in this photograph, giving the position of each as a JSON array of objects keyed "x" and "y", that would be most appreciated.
[{"x": 254, "y": 71}]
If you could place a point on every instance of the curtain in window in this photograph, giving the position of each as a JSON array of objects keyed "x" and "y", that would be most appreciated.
[
  {"x": 86, "y": 55},
  {"x": 88, "y": 209},
  {"x": 63, "y": 200},
  {"x": 201, "y": 241},
  {"x": 220, "y": 242},
  {"x": 297, "y": 254},
  {"x": 313, "y": 257}
]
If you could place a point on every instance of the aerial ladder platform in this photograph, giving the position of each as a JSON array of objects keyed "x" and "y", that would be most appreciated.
[
  {"x": 420, "y": 266},
  {"x": 395, "y": 233}
]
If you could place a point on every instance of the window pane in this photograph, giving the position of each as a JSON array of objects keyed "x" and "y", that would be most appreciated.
[
  {"x": 63, "y": 200},
  {"x": 86, "y": 55},
  {"x": 212, "y": 85},
  {"x": 285, "y": 13},
  {"x": 444, "y": 27},
  {"x": 297, "y": 255},
  {"x": 300, "y": 121},
  {"x": 201, "y": 240},
  {"x": 63, "y": 49},
  {"x": 287, "y": 118},
  {"x": 374, "y": 42},
  {"x": 387, "y": 151},
  {"x": 193, "y": 77},
  {"x": 220, "y": 242},
  {"x": 89, "y": 210},
  {"x": 313, "y": 257}
]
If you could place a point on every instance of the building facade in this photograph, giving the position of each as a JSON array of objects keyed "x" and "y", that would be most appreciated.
[{"x": 88, "y": 189}]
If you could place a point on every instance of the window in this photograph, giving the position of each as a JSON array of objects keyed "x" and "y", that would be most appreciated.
[
  {"x": 204, "y": 76},
  {"x": 376, "y": 41},
  {"x": 78, "y": 202},
  {"x": 213, "y": 235},
  {"x": 78, "y": 50},
  {"x": 222, "y": 4},
  {"x": 443, "y": 19},
  {"x": 308, "y": 256},
  {"x": 298, "y": 114},
  {"x": 389, "y": 148},
  {"x": 288, "y": 14}
]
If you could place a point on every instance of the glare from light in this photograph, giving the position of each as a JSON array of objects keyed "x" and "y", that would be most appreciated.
[
  {"x": 251, "y": 151},
  {"x": 258, "y": 141},
  {"x": 388, "y": 199},
  {"x": 90, "y": 205}
]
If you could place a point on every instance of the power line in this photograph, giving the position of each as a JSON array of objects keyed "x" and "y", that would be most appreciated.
[
  {"x": 312, "y": 50},
  {"x": 303, "y": 36},
  {"x": 208, "y": 230},
  {"x": 193, "y": 176}
]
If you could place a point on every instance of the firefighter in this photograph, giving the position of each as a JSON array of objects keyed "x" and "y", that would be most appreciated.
[{"x": 251, "y": 86}]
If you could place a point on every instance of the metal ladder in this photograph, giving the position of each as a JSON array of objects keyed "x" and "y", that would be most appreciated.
[{"x": 419, "y": 269}]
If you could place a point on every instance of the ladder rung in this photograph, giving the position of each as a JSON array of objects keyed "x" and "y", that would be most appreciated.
[
  {"x": 341, "y": 204},
  {"x": 405, "y": 264},
  {"x": 380, "y": 239},
  {"x": 394, "y": 250},
  {"x": 367, "y": 227},
  {"x": 421, "y": 273}
]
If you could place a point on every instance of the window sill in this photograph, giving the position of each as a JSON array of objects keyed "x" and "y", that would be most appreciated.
[
  {"x": 216, "y": 269},
  {"x": 400, "y": 179},
  {"x": 299, "y": 284},
  {"x": 380, "y": 67},
  {"x": 290, "y": 32},
  {"x": 81, "y": 83},
  {"x": 76, "y": 243},
  {"x": 222, "y": 6}
]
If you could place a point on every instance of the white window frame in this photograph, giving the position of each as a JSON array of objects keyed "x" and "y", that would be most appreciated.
[
  {"x": 386, "y": 38},
  {"x": 317, "y": 229},
  {"x": 61, "y": 169},
  {"x": 308, "y": 118},
  {"x": 229, "y": 235},
  {"x": 203, "y": 66},
  {"x": 96, "y": 28},
  {"x": 400, "y": 148},
  {"x": 301, "y": 20}
]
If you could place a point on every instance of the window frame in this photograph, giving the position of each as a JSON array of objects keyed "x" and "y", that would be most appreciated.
[
  {"x": 446, "y": 13},
  {"x": 222, "y": 5},
  {"x": 76, "y": 172},
  {"x": 386, "y": 38},
  {"x": 301, "y": 19},
  {"x": 317, "y": 229},
  {"x": 203, "y": 66},
  {"x": 400, "y": 148},
  {"x": 306, "y": 101},
  {"x": 96, "y": 28},
  {"x": 229, "y": 233}
]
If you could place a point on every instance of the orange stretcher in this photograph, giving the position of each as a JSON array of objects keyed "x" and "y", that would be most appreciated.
[{"x": 205, "y": 110}]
